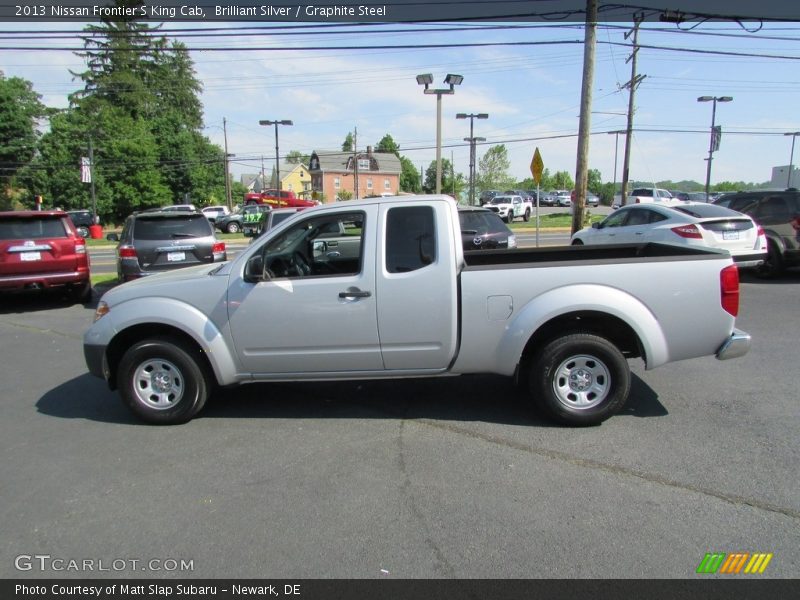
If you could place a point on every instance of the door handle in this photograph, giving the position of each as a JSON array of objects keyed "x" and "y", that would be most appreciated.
[{"x": 355, "y": 293}]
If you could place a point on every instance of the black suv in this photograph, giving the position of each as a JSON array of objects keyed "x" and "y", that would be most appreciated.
[
  {"x": 778, "y": 213},
  {"x": 156, "y": 241}
]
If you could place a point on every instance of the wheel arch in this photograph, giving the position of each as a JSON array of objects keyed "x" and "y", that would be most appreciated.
[{"x": 607, "y": 312}]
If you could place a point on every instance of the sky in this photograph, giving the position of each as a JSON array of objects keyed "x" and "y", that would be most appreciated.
[{"x": 526, "y": 76}]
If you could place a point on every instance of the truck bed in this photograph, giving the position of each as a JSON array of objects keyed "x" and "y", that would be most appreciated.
[{"x": 552, "y": 255}]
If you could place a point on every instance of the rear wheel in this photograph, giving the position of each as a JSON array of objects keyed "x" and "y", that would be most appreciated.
[
  {"x": 580, "y": 379},
  {"x": 527, "y": 216},
  {"x": 773, "y": 263},
  {"x": 232, "y": 227},
  {"x": 162, "y": 381}
]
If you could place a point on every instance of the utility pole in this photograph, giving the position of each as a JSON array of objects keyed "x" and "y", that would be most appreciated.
[
  {"x": 631, "y": 85},
  {"x": 227, "y": 170},
  {"x": 355, "y": 161},
  {"x": 95, "y": 220},
  {"x": 582, "y": 166},
  {"x": 472, "y": 140}
]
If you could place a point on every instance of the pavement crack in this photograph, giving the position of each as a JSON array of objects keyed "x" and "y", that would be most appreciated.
[{"x": 615, "y": 469}]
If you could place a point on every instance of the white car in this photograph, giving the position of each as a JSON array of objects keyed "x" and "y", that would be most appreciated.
[
  {"x": 682, "y": 224},
  {"x": 215, "y": 212}
]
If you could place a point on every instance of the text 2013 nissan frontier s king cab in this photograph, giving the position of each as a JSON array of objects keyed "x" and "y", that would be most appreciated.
[{"x": 382, "y": 289}]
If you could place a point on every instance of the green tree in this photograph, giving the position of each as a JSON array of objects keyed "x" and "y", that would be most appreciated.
[
  {"x": 493, "y": 169},
  {"x": 20, "y": 112},
  {"x": 387, "y": 144},
  {"x": 562, "y": 180},
  {"x": 452, "y": 183},
  {"x": 347, "y": 145},
  {"x": 409, "y": 176},
  {"x": 296, "y": 157}
]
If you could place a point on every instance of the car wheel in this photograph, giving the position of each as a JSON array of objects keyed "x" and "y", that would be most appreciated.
[
  {"x": 577, "y": 242},
  {"x": 233, "y": 227},
  {"x": 83, "y": 231},
  {"x": 773, "y": 263},
  {"x": 162, "y": 382},
  {"x": 527, "y": 216},
  {"x": 580, "y": 379}
]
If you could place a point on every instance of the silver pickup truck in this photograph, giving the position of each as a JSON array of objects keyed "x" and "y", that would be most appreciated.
[{"x": 382, "y": 289}]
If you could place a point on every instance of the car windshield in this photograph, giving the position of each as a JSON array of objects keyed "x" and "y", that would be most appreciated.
[
  {"x": 501, "y": 200},
  {"x": 17, "y": 228},
  {"x": 480, "y": 222},
  {"x": 160, "y": 228}
]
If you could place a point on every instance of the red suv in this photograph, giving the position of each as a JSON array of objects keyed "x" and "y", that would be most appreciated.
[{"x": 43, "y": 250}]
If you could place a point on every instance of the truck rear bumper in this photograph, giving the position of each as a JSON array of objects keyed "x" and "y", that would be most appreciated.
[{"x": 735, "y": 346}]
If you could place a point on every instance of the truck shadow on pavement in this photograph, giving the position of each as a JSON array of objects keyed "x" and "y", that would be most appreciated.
[{"x": 484, "y": 398}]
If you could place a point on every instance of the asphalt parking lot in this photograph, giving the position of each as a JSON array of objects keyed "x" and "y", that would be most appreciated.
[{"x": 412, "y": 479}]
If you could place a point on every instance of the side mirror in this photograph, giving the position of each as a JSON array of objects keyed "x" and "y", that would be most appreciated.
[
  {"x": 112, "y": 237},
  {"x": 254, "y": 269}
]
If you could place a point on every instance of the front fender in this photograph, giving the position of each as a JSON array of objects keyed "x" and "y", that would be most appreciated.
[
  {"x": 168, "y": 313},
  {"x": 582, "y": 298}
]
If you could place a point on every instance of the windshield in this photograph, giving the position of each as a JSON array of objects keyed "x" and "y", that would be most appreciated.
[{"x": 501, "y": 200}]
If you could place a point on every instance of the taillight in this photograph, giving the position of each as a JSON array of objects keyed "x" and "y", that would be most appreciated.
[
  {"x": 687, "y": 231},
  {"x": 729, "y": 289},
  {"x": 218, "y": 248},
  {"x": 80, "y": 245},
  {"x": 126, "y": 252},
  {"x": 761, "y": 239}
]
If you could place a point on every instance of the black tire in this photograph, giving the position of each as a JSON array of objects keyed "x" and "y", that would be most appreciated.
[
  {"x": 509, "y": 218},
  {"x": 527, "y": 216},
  {"x": 577, "y": 242},
  {"x": 773, "y": 264},
  {"x": 232, "y": 227},
  {"x": 162, "y": 382},
  {"x": 580, "y": 379},
  {"x": 83, "y": 231}
]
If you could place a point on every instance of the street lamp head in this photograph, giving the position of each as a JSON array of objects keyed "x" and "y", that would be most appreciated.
[
  {"x": 792, "y": 133},
  {"x": 452, "y": 79},
  {"x": 461, "y": 115},
  {"x": 425, "y": 79},
  {"x": 705, "y": 98},
  {"x": 725, "y": 99},
  {"x": 286, "y": 122},
  {"x": 483, "y": 115}
]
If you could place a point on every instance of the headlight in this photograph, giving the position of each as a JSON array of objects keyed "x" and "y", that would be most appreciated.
[{"x": 101, "y": 310}]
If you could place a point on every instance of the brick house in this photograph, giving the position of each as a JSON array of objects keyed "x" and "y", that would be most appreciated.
[{"x": 377, "y": 173}]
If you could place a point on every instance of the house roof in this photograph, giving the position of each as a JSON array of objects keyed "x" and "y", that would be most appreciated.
[{"x": 386, "y": 162}]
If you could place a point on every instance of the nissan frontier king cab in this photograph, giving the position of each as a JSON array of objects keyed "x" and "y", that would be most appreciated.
[{"x": 382, "y": 288}]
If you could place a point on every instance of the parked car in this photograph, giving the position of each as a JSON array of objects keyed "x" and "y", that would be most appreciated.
[
  {"x": 510, "y": 207},
  {"x": 487, "y": 195},
  {"x": 683, "y": 224},
  {"x": 251, "y": 218},
  {"x": 778, "y": 213},
  {"x": 483, "y": 229},
  {"x": 561, "y": 198},
  {"x": 234, "y": 222},
  {"x": 591, "y": 199},
  {"x": 42, "y": 250},
  {"x": 82, "y": 219},
  {"x": 156, "y": 241},
  {"x": 180, "y": 207},
  {"x": 212, "y": 213},
  {"x": 647, "y": 195},
  {"x": 400, "y": 298},
  {"x": 272, "y": 218}
]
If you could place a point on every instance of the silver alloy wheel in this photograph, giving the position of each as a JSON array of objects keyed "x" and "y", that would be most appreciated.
[
  {"x": 158, "y": 384},
  {"x": 581, "y": 382}
]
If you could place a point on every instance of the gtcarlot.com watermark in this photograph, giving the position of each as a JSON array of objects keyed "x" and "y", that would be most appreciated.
[{"x": 56, "y": 564}]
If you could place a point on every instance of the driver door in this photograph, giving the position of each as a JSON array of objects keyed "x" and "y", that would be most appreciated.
[{"x": 314, "y": 310}]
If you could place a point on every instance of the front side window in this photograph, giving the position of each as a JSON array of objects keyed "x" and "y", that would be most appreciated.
[
  {"x": 315, "y": 247},
  {"x": 616, "y": 219},
  {"x": 410, "y": 238}
]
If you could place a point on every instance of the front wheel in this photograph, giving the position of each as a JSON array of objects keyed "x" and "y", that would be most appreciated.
[
  {"x": 580, "y": 379},
  {"x": 527, "y": 216},
  {"x": 162, "y": 382},
  {"x": 232, "y": 227}
]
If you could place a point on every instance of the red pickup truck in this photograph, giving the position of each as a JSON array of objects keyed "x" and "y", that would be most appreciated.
[{"x": 287, "y": 199}]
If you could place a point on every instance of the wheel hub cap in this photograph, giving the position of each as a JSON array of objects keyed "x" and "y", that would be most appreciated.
[{"x": 582, "y": 382}]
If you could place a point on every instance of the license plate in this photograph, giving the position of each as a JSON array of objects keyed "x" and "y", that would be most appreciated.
[
  {"x": 730, "y": 235},
  {"x": 176, "y": 256},
  {"x": 30, "y": 256}
]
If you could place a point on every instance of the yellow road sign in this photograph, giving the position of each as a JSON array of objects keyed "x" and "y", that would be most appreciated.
[{"x": 537, "y": 166}]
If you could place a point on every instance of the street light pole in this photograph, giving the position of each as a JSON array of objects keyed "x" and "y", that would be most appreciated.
[
  {"x": 277, "y": 155},
  {"x": 794, "y": 134},
  {"x": 452, "y": 80},
  {"x": 713, "y": 143},
  {"x": 616, "y": 151},
  {"x": 472, "y": 140}
]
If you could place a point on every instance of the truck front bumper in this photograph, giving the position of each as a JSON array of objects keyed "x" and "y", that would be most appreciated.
[{"x": 735, "y": 346}]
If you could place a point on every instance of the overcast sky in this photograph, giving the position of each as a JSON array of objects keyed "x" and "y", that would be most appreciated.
[{"x": 530, "y": 88}]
